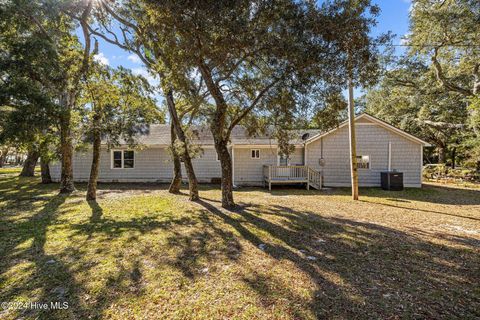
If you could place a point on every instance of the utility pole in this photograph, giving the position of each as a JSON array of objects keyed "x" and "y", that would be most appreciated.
[{"x": 351, "y": 131}]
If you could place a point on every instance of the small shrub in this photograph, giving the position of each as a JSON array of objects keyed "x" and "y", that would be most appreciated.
[{"x": 442, "y": 172}]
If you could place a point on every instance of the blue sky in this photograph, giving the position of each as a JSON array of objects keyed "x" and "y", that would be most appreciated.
[{"x": 393, "y": 17}]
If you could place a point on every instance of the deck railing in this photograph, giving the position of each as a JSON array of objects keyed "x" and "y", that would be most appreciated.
[
  {"x": 314, "y": 178},
  {"x": 292, "y": 174},
  {"x": 288, "y": 172}
]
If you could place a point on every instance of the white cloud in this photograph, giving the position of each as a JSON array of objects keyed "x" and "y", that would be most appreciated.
[
  {"x": 153, "y": 80},
  {"x": 100, "y": 58},
  {"x": 134, "y": 58}
]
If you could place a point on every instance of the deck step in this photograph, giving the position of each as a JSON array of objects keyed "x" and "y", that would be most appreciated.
[{"x": 316, "y": 186}]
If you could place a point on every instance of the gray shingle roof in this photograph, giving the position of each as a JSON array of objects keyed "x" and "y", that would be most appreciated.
[{"x": 159, "y": 134}]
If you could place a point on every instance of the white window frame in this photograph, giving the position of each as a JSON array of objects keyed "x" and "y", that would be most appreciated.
[
  {"x": 122, "y": 151},
  {"x": 218, "y": 158},
  {"x": 255, "y": 153},
  {"x": 369, "y": 161}
]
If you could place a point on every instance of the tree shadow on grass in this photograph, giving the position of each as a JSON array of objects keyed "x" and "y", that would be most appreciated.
[
  {"x": 29, "y": 273},
  {"x": 49, "y": 274},
  {"x": 195, "y": 252},
  {"x": 23, "y": 192},
  {"x": 428, "y": 194},
  {"x": 359, "y": 269},
  {"x": 362, "y": 270},
  {"x": 422, "y": 210},
  {"x": 26, "y": 243}
]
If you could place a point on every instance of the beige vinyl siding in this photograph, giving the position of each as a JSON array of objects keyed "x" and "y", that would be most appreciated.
[
  {"x": 249, "y": 171},
  {"x": 296, "y": 158},
  {"x": 372, "y": 140},
  {"x": 362, "y": 120},
  {"x": 151, "y": 165},
  {"x": 206, "y": 166}
]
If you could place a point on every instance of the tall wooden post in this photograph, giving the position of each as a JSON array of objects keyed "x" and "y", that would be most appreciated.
[{"x": 353, "y": 143}]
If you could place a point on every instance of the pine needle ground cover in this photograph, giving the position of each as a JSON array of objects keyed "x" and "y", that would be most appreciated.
[{"x": 141, "y": 253}]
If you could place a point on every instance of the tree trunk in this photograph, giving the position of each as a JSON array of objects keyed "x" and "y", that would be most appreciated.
[
  {"x": 442, "y": 154},
  {"x": 177, "y": 165},
  {"x": 454, "y": 155},
  {"x": 353, "y": 143},
  {"x": 192, "y": 179},
  {"x": 226, "y": 166},
  {"x": 93, "y": 180},
  {"x": 45, "y": 171},
  {"x": 66, "y": 146},
  {"x": 28, "y": 169},
  {"x": 3, "y": 155},
  {"x": 217, "y": 128}
]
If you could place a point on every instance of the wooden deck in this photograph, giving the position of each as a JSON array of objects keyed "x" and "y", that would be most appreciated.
[{"x": 291, "y": 175}]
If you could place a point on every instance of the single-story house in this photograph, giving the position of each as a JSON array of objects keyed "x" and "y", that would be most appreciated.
[{"x": 322, "y": 158}]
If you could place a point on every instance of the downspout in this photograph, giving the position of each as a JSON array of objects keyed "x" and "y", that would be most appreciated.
[
  {"x": 389, "y": 156},
  {"x": 305, "y": 162},
  {"x": 321, "y": 148},
  {"x": 421, "y": 165}
]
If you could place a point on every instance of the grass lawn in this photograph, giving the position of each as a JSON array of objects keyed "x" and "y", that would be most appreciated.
[
  {"x": 10, "y": 170},
  {"x": 141, "y": 253}
]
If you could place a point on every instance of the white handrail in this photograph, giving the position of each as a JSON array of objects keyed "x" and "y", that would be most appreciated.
[{"x": 288, "y": 172}]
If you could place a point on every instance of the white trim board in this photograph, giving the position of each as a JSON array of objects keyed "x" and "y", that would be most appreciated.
[{"x": 262, "y": 146}]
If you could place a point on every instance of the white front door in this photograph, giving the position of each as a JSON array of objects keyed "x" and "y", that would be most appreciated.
[{"x": 283, "y": 172}]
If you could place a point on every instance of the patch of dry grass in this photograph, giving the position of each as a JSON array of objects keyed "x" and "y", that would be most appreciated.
[{"x": 141, "y": 253}]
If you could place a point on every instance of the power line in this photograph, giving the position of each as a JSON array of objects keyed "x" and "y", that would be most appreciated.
[{"x": 436, "y": 45}]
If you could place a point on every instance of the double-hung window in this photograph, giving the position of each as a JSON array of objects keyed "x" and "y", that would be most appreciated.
[
  {"x": 255, "y": 153},
  {"x": 123, "y": 159}
]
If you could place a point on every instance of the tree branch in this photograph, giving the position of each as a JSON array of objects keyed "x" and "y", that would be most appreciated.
[
  {"x": 446, "y": 83},
  {"x": 101, "y": 35},
  {"x": 476, "y": 79},
  {"x": 38, "y": 24},
  {"x": 86, "y": 35},
  {"x": 118, "y": 18},
  {"x": 244, "y": 113}
]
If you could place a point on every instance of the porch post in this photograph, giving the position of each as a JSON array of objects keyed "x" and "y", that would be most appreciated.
[
  {"x": 308, "y": 178},
  {"x": 269, "y": 178}
]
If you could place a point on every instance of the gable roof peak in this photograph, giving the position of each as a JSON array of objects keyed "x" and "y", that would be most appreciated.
[{"x": 377, "y": 121}]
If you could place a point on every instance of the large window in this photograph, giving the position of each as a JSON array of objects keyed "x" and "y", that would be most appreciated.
[
  {"x": 123, "y": 159},
  {"x": 363, "y": 162},
  {"x": 255, "y": 153}
]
